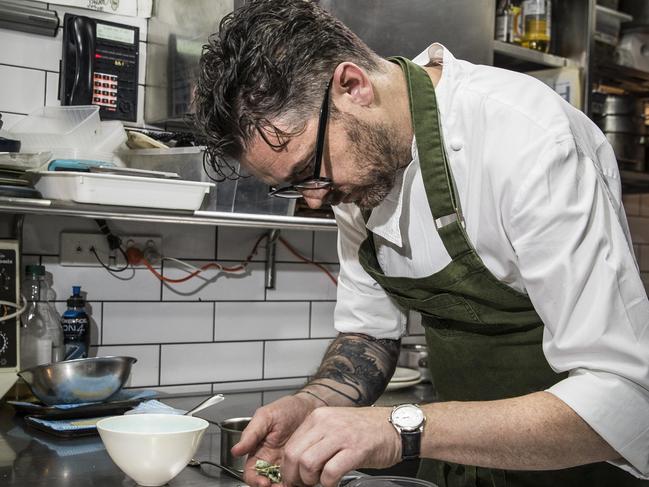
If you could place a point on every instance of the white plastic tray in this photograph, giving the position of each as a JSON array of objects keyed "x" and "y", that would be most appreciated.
[{"x": 112, "y": 189}]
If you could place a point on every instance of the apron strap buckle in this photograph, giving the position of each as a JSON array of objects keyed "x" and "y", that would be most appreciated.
[{"x": 443, "y": 221}]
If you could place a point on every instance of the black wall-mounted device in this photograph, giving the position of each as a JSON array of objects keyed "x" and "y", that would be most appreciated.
[
  {"x": 9, "y": 293},
  {"x": 100, "y": 66}
]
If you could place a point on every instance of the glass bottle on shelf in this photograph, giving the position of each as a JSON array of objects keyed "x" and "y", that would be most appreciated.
[
  {"x": 41, "y": 335},
  {"x": 509, "y": 21},
  {"x": 537, "y": 24},
  {"x": 517, "y": 27},
  {"x": 503, "y": 20}
]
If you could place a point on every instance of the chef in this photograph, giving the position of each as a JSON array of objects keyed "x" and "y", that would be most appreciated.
[{"x": 472, "y": 195}]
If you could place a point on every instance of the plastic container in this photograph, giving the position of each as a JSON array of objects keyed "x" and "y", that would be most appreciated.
[
  {"x": 113, "y": 189},
  {"x": 76, "y": 326},
  {"x": 243, "y": 195},
  {"x": 111, "y": 136},
  {"x": 58, "y": 127}
]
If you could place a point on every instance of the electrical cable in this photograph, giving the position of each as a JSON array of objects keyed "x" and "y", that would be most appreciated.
[
  {"x": 186, "y": 264},
  {"x": 16, "y": 306},
  {"x": 309, "y": 261},
  {"x": 197, "y": 270},
  {"x": 209, "y": 265},
  {"x": 92, "y": 249}
]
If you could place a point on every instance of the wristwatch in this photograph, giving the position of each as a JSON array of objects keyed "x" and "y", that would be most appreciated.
[{"x": 408, "y": 420}]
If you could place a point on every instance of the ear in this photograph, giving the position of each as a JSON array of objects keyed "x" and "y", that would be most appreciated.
[{"x": 351, "y": 87}]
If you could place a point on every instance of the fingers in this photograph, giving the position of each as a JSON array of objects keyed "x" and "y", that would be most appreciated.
[
  {"x": 252, "y": 436},
  {"x": 333, "y": 441},
  {"x": 336, "y": 468},
  {"x": 250, "y": 475},
  {"x": 322, "y": 463}
]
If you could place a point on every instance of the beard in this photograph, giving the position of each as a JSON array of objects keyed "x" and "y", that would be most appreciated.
[{"x": 379, "y": 154}]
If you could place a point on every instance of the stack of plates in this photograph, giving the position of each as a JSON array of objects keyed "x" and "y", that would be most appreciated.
[
  {"x": 402, "y": 378},
  {"x": 14, "y": 180}
]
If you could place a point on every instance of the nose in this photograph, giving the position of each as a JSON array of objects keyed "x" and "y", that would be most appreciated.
[{"x": 315, "y": 198}]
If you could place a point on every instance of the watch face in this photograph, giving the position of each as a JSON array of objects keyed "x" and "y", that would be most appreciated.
[{"x": 408, "y": 417}]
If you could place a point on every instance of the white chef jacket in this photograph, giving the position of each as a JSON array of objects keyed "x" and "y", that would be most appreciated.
[{"x": 540, "y": 192}]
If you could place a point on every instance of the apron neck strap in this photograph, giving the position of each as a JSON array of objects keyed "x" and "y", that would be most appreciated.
[{"x": 437, "y": 177}]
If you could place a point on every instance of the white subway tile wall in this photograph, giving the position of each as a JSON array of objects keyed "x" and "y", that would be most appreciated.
[
  {"x": 156, "y": 322},
  {"x": 287, "y": 358},
  {"x": 215, "y": 334},
  {"x": 211, "y": 362},
  {"x": 261, "y": 320},
  {"x": 322, "y": 319}
]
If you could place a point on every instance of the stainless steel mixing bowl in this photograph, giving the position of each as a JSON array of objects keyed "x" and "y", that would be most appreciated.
[{"x": 77, "y": 381}]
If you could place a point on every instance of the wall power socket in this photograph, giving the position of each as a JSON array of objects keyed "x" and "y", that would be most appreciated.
[{"x": 75, "y": 249}]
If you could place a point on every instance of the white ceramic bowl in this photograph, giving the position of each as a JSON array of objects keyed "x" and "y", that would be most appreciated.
[{"x": 151, "y": 448}]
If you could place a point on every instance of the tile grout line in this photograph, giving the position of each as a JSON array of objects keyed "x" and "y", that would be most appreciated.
[
  {"x": 214, "y": 323},
  {"x": 160, "y": 364},
  {"x": 310, "y": 318}
]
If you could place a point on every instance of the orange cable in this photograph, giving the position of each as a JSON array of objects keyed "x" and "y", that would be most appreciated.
[
  {"x": 209, "y": 265},
  {"x": 304, "y": 259},
  {"x": 239, "y": 267}
]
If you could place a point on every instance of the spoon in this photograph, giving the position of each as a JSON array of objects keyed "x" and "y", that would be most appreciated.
[
  {"x": 210, "y": 401},
  {"x": 229, "y": 471}
]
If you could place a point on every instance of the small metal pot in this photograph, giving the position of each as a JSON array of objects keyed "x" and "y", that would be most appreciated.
[
  {"x": 604, "y": 105},
  {"x": 415, "y": 356},
  {"x": 625, "y": 124},
  {"x": 230, "y": 435}
]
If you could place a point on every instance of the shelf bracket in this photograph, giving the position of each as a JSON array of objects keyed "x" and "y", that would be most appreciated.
[{"x": 271, "y": 248}]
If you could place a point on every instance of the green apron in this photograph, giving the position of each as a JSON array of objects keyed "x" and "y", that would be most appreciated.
[{"x": 484, "y": 337}]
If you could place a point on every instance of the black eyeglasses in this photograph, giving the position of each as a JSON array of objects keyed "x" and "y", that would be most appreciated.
[{"x": 294, "y": 191}]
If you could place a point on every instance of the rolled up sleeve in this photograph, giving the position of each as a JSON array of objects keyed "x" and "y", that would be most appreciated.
[
  {"x": 362, "y": 305},
  {"x": 570, "y": 235}
]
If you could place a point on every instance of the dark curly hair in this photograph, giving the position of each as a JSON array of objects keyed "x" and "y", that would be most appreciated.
[{"x": 270, "y": 59}]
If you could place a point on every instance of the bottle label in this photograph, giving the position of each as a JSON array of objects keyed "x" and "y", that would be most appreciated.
[
  {"x": 76, "y": 335},
  {"x": 534, "y": 7},
  {"x": 502, "y": 28}
]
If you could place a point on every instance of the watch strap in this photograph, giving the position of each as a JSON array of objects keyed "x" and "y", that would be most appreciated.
[{"x": 410, "y": 444}]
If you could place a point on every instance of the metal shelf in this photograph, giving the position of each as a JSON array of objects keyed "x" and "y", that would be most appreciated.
[
  {"x": 629, "y": 79},
  {"x": 66, "y": 208},
  {"x": 511, "y": 56}
]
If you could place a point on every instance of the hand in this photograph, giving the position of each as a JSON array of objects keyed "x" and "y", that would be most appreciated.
[
  {"x": 333, "y": 441},
  {"x": 268, "y": 431}
]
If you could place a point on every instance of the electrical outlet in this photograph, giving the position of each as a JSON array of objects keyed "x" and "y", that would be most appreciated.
[
  {"x": 76, "y": 249},
  {"x": 150, "y": 245}
]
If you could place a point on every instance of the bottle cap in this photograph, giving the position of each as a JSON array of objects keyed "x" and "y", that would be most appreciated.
[
  {"x": 35, "y": 270},
  {"x": 76, "y": 300}
]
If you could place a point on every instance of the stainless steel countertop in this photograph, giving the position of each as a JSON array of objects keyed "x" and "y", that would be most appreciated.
[{"x": 32, "y": 458}]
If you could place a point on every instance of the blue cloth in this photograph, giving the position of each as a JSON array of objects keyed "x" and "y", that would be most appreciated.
[{"x": 123, "y": 395}]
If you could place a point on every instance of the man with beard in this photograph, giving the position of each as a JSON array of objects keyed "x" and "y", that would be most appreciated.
[{"x": 478, "y": 198}]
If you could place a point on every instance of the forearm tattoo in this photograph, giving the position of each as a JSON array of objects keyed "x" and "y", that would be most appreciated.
[{"x": 357, "y": 367}]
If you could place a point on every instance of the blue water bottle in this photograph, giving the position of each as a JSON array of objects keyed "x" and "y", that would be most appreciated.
[{"x": 76, "y": 327}]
